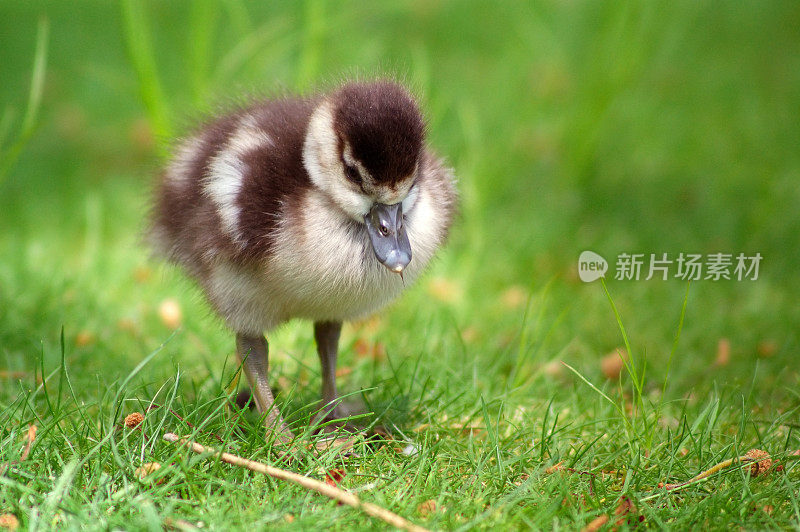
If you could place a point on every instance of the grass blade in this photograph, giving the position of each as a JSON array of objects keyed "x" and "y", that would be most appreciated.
[
  {"x": 139, "y": 45},
  {"x": 313, "y": 35},
  {"x": 9, "y": 157},
  {"x": 202, "y": 26}
]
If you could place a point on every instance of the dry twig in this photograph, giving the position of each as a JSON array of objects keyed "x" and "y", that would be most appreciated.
[
  {"x": 306, "y": 482},
  {"x": 28, "y": 442},
  {"x": 624, "y": 507},
  {"x": 760, "y": 460},
  {"x": 596, "y": 524}
]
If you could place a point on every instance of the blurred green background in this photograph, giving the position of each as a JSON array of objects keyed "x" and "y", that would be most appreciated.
[
  {"x": 642, "y": 127},
  {"x": 617, "y": 127}
]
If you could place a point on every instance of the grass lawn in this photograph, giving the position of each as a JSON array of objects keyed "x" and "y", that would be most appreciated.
[{"x": 621, "y": 128}]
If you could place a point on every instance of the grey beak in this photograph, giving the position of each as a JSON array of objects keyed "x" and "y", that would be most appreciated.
[{"x": 388, "y": 236}]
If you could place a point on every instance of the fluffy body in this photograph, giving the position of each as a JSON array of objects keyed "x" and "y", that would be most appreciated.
[{"x": 255, "y": 207}]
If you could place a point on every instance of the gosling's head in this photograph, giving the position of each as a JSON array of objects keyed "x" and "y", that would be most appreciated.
[{"x": 362, "y": 150}]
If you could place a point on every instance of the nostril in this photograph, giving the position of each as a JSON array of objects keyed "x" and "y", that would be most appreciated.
[{"x": 384, "y": 230}]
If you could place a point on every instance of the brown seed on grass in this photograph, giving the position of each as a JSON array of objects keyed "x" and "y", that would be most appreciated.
[
  {"x": 767, "y": 348},
  {"x": 84, "y": 338},
  {"x": 9, "y": 521},
  {"x": 761, "y": 461},
  {"x": 141, "y": 135},
  {"x": 334, "y": 476},
  {"x": 514, "y": 297},
  {"x": 445, "y": 290},
  {"x": 426, "y": 508},
  {"x": 128, "y": 325},
  {"x": 342, "y": 372},
  {"x": 373, "y": 350},
  {"x": 147, "y": 469},
  {"x": 170, "y": 313},
  {"x": 723, "y": 353},
  {"x": 554, "y": 368},
  {"x": 611, "y": 365},
  {"x": 469, "y": 335},
  {"x": 6, "y": 374},
  {"x": 362, "y": 348},
  {"x": 368, "y": 325},
  {"x": 142, "y": 274},
  {"x": 555, "y": 467},
  {"x": 134, "y": 420}
]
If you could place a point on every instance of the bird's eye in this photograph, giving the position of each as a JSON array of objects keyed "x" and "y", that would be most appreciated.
[{"x": 352, "y": 173}]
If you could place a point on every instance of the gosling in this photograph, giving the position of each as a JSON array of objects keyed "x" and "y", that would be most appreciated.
[{"x": 321, "y": 208}]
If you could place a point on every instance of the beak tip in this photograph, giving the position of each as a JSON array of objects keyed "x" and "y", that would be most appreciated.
[{"x": 397, "y": 261}]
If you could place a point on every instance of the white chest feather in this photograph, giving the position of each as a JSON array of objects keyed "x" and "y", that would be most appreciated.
[{"x": 322, "y": 268}]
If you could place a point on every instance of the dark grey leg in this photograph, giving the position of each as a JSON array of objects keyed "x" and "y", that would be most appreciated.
[
  {"x": 326, "y": 334},
  {"x": 253, "y": 354}
]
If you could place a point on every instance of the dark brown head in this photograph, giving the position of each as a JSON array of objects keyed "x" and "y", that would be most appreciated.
[
  {"x": 362, "y": 149},
  {"x": 382, "y": 126}
]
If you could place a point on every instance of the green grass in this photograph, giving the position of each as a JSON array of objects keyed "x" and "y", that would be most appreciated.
[
  {"x": 615, "y": 127},
  {"x": 11, "y": 145}
]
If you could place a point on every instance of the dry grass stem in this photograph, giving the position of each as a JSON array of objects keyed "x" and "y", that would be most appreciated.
[
  {"x": 596, "y": 524},
  {"x": 760, "y": 460},
  {"x": 29, "y": 438},
  {"x": 306, "y": 482}
]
